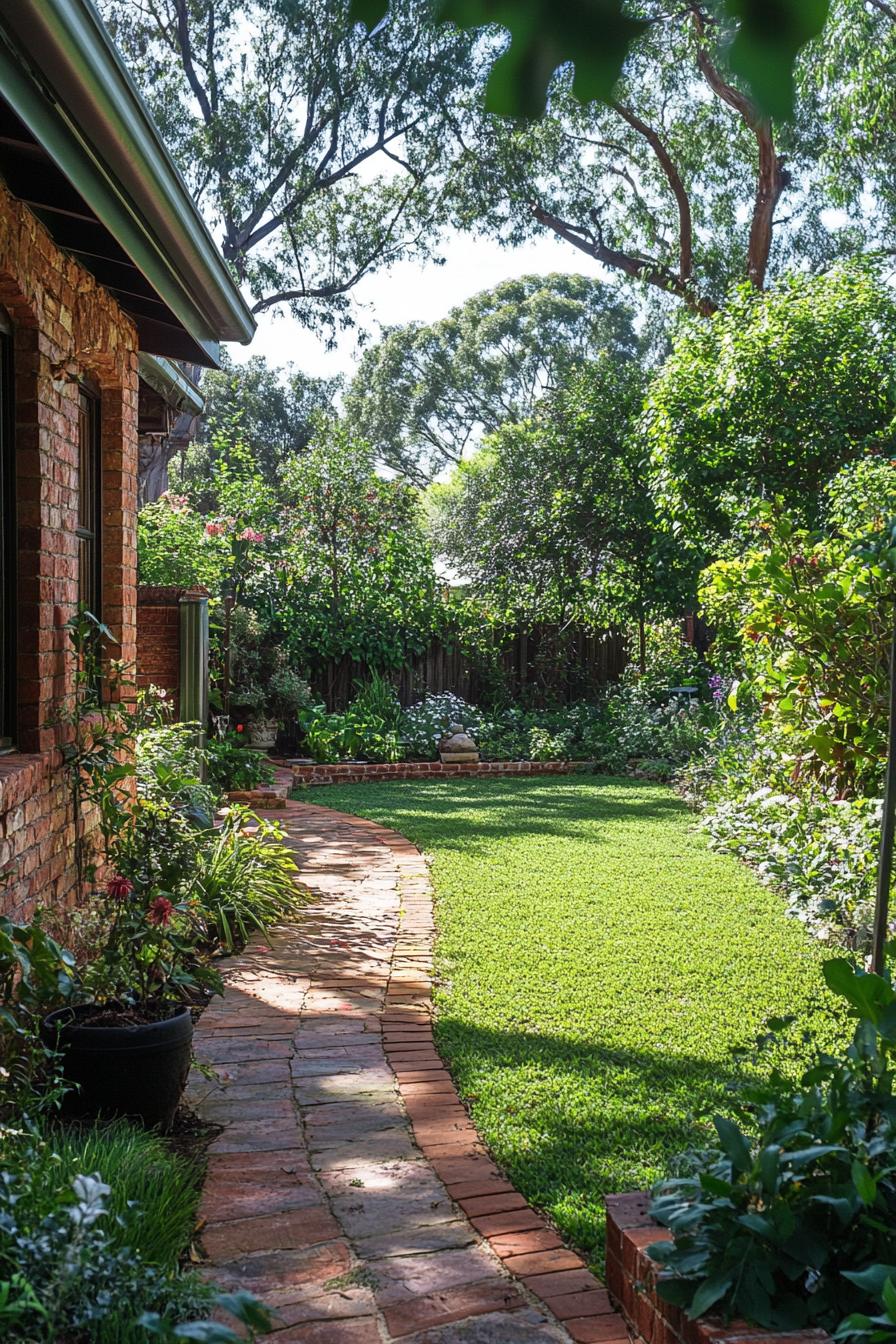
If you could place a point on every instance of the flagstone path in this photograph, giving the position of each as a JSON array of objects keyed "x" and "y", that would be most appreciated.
[{"x": 348, "y": 1188}]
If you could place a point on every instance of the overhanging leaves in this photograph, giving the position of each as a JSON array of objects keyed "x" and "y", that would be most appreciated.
[{"x": 595, "y": 35}]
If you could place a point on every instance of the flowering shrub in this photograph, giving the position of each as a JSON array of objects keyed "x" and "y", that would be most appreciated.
[
  {"x": 635, "y": 728},
  {"x": 820, "y": 852},
  {"x": 175, "y": 546},
  {"x": 424, "y": 725}
]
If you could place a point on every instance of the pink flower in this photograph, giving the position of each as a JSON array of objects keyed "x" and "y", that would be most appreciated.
[
  {"x": 214, "y": 529},
  {"x": 160, "y": 911},
  {"x": 249, "y": 534},
  {"x": 119, "y": 887}
]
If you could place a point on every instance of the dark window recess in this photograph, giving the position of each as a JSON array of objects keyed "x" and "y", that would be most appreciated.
[
  {"x": 89, "y": 503},
  {"x": 8, "y": 546}
]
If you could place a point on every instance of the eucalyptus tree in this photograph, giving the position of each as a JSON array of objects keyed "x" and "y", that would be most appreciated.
[
  {"x": 851, "y": 74},
  {"x": 425, "y": 394},
  {"x": 679, "y": 181},
  {"x": 319, "y": 152},
  {"x": 271, "y": 411}
]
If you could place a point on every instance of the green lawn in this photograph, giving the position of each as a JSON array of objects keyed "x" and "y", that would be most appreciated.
[{"x": 597, "y": 966}]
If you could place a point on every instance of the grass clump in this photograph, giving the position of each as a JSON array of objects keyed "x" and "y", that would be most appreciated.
[
  {"x": 94, "y": 1224},
  {"x": 599, "y": 968}
]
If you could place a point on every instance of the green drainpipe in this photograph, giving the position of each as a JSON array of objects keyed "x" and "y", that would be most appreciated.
[{"x": 194, "y": 662}]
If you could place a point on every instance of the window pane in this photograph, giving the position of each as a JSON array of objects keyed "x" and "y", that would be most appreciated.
[
  {"x": 7, "y": 540},
  {"x": 89, "y": 502}
]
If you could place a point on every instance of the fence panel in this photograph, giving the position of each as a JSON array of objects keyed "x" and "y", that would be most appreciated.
[{"x": 540, "y": 664}]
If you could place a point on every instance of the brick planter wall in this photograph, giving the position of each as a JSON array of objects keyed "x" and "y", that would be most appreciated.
[
  {"x": 158, "y": 638},
  {"x": 377, "y": 774},
  {"x": 631, "y": 1279},
  {"x": 65, "y": 327}
]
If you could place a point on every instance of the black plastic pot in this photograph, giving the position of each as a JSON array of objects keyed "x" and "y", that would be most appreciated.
[{"x": 135, "y": 1071}]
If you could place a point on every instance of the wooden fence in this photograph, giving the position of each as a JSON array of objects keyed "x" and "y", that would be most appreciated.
[{"x": 538, "y": 665}]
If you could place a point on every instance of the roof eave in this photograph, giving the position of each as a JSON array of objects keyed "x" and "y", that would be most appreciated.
[{"x": 91, "y": 120}]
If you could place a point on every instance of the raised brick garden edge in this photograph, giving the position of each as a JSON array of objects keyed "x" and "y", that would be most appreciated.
[
  {"x": 631, "y": 1278},
  {"x": 366, "y": 774}
]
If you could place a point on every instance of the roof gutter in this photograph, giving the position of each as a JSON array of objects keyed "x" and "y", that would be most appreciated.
[
  {"x": 85, "y": 108},
  {"x": 171, "y": 383}
]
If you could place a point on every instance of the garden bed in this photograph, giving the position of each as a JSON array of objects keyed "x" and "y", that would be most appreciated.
[{"x": 631, "y": 1283}]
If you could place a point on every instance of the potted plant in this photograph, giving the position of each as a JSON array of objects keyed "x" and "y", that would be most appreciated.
[
  {"x": 288, "y": 695},
  {"x": 262, "y": 725},
  {"x": 126, "y": 1050}
]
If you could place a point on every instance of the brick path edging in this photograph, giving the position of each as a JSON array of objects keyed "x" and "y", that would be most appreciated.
[{"x": 277, "y": 1205}]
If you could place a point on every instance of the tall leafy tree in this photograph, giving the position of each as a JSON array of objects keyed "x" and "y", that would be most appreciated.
[
  {"x": 358, "y": 580},
  {"x": 318, "y": 151},
  {"x": 553, "y": 520},
  {"x": 425, "y": 394},
  {"x": 595, "y": 40},
  {"x": 770, "y": 399},
  {"x": 272, "y": 412}
]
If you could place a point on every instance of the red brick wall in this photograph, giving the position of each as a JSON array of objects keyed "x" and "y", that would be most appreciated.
[
  {"x": 380, "y": 774},
  {"x": 66, "y": 326},
  {"x": 158, "y": 639}
]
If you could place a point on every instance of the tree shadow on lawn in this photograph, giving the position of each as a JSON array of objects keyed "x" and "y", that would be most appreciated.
[
  {"x": 573, "y": 1121},
  {"x": 469, "y": 815}
]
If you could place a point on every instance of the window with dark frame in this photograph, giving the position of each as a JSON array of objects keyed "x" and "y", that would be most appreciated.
[
  {"x": 89, "y": 502},
  {"x": 8, "y": 546}
]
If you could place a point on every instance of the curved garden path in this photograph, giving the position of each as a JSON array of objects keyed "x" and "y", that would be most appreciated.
[{"x": 348, "y": 1187}]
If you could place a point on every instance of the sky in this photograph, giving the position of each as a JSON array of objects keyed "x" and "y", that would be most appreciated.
[{"x": 412, "y": 292}]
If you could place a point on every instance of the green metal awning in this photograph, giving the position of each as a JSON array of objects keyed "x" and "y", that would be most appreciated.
[
  {"x": 172, "y": 384},
  {"x": 79, "y": 147}
]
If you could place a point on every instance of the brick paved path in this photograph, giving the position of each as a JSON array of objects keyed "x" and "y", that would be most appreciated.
[{"x": 348, "y": 1188}]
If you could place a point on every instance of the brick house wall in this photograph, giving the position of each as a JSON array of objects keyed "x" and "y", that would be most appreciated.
[{"x": 66, "y": 327}]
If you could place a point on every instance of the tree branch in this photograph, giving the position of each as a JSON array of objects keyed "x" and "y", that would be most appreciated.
[
  {"x": 186, "y": 52},
  {"x": 673, "y": 177},
  {"x": 884, "y": 9},
  {"x": 772, "y": 177},
  {"x": 639, "y": 268}
]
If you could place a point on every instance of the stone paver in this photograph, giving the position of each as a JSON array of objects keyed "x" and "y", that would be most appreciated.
[{"x": 348, "y": 1187}]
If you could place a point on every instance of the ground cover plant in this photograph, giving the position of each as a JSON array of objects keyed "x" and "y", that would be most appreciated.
[
  {"x": 597, "y": 965},
  {"x": 95, "y": 1224}
]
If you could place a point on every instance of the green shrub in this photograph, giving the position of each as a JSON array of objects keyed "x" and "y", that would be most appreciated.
[
  {"x": 232, "y": 766},
  {"x": 781, "y": 1221},
  {"x": 368, "y": 730},
  {"x": 93, "y": 1225},
  {"x": 245, "y": 878},
  {"x": 169, "y": 763},
  {"x": 36, "y": 975}
]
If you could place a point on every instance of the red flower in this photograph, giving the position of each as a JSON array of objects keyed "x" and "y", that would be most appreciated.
[
  {"x": 160, "y": 911},
  {"x": 119, "y": 887},
  {"x": 239, "y": 728}
]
